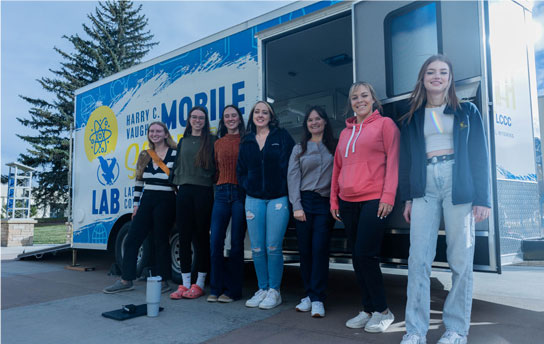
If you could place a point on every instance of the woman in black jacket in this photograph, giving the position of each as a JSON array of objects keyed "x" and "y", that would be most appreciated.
[
  {"x": 262, "y": 172},
  {"x": 444, "y": 169}
]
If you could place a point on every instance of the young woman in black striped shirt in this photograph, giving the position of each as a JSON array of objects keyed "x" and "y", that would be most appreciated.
[{"x": 154, "y": 209}]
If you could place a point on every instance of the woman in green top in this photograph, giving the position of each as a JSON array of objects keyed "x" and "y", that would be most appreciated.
[{"x": 194, "y": 172}]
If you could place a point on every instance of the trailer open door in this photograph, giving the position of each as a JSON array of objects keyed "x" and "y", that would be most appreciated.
[
  {"x": 391, "y": 39},
  {"x": 303, "y": 62},
  {"x": 514, "y": 127}
]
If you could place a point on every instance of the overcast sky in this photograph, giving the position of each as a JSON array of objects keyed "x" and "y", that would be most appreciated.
[{"x": 30, "y": 30}]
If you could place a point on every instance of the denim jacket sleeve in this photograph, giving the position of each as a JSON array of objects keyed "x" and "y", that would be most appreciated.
[{"x": 479, "y": 158}]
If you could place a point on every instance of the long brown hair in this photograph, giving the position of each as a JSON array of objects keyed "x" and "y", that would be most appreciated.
[
  {"x": 418, "y": 98},
  {"x": 204, "y": 155},
  {"x": 222, "y": 130},
  {"x": 328, "y": 139},
  {"x": 376, "y": 106},
  {"x": 144, "y": 158},
  {"x": 274, "y": 122}
]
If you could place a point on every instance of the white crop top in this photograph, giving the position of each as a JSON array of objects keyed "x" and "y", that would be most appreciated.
[{"x": 438, "y": 129}]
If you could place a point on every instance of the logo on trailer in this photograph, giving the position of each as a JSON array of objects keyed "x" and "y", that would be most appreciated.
[
  {"x": 100, "y": 133},
  {"x": 108, "y": 171}
]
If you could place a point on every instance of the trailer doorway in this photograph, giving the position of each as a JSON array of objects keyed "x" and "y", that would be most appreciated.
[{"x": 307, "y": 66}]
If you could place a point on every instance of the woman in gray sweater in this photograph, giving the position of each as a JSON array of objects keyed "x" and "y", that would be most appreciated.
[{"x": 309, "y": 183}]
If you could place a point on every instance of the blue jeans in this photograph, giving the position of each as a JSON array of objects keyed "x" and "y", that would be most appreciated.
[
  {"x": 313, "y": 238},
  {"x": 266, "y": 224},
  {"x": 425, "y": 221},
  {"x": 227, "y": 276}
]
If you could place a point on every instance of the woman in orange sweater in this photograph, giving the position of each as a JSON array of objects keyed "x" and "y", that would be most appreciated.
[
  {"x": 363, "y": 188},
  {"x": 226, "y": 278}
]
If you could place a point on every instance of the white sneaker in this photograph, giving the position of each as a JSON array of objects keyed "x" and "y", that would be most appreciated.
[
  {"x": 413, "y": 339},
  {"x": 379, "y": 322},
  {"x": 256, "y": 299},
  {"x": 450, "y": 337},
  {"x": 318, "y": 310},
  {"x": 359, "y": 321},
  {"x": 272, "y": 299},
  {"x": 305, "y": 305}
]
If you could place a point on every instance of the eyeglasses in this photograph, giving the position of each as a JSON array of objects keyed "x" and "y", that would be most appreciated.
[{"x": 198, "y": 118}]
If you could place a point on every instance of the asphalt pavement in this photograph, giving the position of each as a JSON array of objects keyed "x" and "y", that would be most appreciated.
[{"x": 43, "y": 302}]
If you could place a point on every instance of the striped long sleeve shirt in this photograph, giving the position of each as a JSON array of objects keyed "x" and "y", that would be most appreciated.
[{"x": 154, "y": 178}]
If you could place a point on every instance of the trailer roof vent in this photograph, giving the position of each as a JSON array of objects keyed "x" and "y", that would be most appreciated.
[{"x": 337, "y": 60}]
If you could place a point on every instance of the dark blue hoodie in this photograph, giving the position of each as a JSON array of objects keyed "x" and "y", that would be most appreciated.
[
  {"x": 263, "y": 173},
  {"x": 471, "y": 180}
]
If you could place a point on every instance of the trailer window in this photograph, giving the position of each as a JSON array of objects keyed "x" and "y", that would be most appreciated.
[{"x": 411, "y": 36}]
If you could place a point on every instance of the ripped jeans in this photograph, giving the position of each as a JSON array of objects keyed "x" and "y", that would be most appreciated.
[{"x": 266, "y": 225}]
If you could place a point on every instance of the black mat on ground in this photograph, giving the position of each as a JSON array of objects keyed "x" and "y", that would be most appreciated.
[{"x": 132, "y": 312}]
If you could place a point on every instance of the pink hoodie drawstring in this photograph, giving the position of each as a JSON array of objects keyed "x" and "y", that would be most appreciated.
[{"x": 351, "y": 138}]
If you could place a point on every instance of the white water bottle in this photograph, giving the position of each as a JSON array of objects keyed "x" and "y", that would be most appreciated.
[{"x": 153, "y": 295}]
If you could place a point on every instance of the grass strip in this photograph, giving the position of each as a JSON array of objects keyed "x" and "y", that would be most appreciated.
[{"x": 50, "y": 234}]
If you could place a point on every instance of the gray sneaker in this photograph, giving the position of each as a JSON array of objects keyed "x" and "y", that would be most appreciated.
[{"x": 118, "y": 287}]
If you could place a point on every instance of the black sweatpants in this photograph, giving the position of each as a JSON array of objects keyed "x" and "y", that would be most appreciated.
[
  {"x": 194, "y": 205},
  {"x": 156, "y": 214},
  {"x": 364, "y": 231}
]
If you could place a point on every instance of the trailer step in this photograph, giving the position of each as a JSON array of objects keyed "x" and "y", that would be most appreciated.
[
  {"x": 533, "y": 249},
  {"x": 39, "y": 253}
]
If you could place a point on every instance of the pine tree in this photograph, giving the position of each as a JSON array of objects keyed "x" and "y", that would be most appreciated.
[{"x": 116, "y": 39}]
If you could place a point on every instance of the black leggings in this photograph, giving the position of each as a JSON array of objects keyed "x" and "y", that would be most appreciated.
[
  {"x": 194, "y": 205},
  {"x": 156, "y": 215},
  {"x": 364, "y": 231}
]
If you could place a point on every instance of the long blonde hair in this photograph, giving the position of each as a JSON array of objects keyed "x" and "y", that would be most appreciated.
[
  {"x": 144, "y": 158},
  {"x": 418, "y": 98}
]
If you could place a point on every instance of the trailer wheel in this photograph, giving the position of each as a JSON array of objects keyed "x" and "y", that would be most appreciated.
[
  {"x": 143, "y": 253},
  {"x": 174, "y": 254}
]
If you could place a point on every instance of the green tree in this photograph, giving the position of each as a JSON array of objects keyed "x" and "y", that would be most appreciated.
[{"x": 115, "y": 39}]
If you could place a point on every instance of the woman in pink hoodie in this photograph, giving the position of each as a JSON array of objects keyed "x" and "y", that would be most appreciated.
[{"x": 363, "y": 188}]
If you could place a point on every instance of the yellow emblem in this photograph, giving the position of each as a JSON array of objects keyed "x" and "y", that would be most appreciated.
[{"x": 100, "y": 133}]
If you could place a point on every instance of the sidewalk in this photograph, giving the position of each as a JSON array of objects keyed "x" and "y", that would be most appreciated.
[
  {"x": 9, "y": 253},
  {"x": 43, "y": 302}
]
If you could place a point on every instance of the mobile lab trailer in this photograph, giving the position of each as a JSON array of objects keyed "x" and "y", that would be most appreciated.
[{"x": 308, "y": 53}]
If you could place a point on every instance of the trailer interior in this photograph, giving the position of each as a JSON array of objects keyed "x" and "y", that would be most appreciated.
[{"x": 310, "y": 66}]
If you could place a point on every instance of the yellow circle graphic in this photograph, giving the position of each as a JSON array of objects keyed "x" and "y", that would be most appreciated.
[{"x": 100, "y": 133}]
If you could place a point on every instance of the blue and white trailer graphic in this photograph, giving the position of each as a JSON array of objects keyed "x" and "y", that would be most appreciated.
[{"x": 308, "y": 53}]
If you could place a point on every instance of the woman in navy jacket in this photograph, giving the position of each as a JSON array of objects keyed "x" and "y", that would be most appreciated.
[
  {"x": 262, "y": 173},
  {"x": 444, "y": 169}
]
